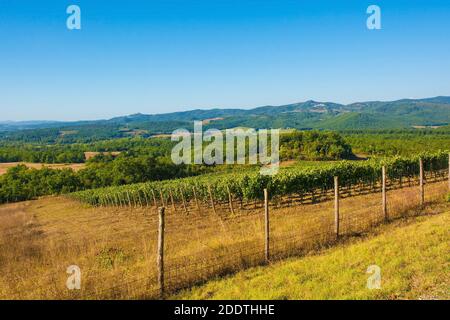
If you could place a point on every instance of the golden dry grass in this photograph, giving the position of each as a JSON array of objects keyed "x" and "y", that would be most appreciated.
[
  {"x": 91, "y": 154},
  {"x": 412, "y": 256},
  {"x": 116, "y": 247},
  {"x": 75, "y": 166}
]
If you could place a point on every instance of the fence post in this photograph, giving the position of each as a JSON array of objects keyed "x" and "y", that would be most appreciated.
[
  {"x": 422, "y": 193},
  {"x": 267, "y": 225},
  {"x": 336, "y": 206},
  {"x": 160, "y": 256},
  {"x": 385, "y": 213}
]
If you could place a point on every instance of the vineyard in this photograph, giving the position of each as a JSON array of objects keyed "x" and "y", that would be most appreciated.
[
  {"x": 214, "y": 225},
  {"x": 292, "y": 184}
]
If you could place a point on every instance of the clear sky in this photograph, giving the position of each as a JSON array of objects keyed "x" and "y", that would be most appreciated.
[{"x": 155, "y": 56}]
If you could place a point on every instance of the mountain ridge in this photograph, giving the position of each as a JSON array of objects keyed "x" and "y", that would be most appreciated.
[
  {"x": 311, "y": 114},
  {"x": 292, "y": 107}
]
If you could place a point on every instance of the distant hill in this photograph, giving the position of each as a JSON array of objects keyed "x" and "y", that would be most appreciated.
[
  {"x": 356, "y": 120},
  {"x": 405, "y": 113},
  {"x": 21, "y": 125}
]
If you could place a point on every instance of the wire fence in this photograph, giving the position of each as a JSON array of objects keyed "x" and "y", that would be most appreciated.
[{"x": 206, "y": 239}]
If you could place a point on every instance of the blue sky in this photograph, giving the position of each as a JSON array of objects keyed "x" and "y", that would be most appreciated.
[{"x": 158, "y": 56}]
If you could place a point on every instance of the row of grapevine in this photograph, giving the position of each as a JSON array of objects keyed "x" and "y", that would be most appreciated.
[{"x": 248, "y": 186}]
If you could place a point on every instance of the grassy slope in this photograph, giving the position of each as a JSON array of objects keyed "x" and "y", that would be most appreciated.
[{"x": 413, "y": 256}]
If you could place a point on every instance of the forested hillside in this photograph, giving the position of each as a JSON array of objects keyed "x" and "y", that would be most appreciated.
[{"x": 406, "y": 113}]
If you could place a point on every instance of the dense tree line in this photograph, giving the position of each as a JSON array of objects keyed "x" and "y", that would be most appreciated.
[
  {"x": 314, "y": 145},
  {"x": 311, "y": 145},
  {"x": 404, "y": 143},
  {"x": 74, "y": 153},
  {"x": 41, "y": 154},
  {"x": 442, "y": 131},
  {"x": 23, "y": 183},
  {"x": 105, "y": 170}
]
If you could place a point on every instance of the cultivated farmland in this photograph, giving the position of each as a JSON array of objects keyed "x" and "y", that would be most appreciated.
[{"x": 115, "y": 247}]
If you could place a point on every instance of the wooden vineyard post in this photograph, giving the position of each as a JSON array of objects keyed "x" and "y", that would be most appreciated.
[
  {"x": 122, "y": 200},
  {"x": 146, "y": 199},
  {"x": 230, "y": 200},
  {"x": 384, "y": 202},
  {"x": 140, "y": 200},
  {"x": 110, "y": 200},
  {"x": 336, "y": 206},
  {"x": 134, "y": 200},
  {"x": 129, "y": 199},
  {"x": 160, "y": 255},
  {"x": 172, "y": 202},
  {"x": 184, "y": 201},
  {"x": 196, "y": 200},
  {"x": 422, "y": 193},
  {"x": 162, "y": 198},
  {"x": 119, "y": 199},
  {"x": 212, "y": 200},
  {"x": 154, "y": 199},
  {"x": 266, "y": 225}
]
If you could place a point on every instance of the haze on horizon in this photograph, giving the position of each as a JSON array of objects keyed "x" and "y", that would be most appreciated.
[
  {"x": 166, "y": 56},
  {"x": 191, "y": 109}
]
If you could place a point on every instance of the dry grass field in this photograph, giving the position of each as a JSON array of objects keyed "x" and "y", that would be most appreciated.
[
  {"x": 412, "y": 253},
  {"x": 116, "y": 247},
  {"x": 91, "y": 154},
  {"x": 75, "y": 166}
]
